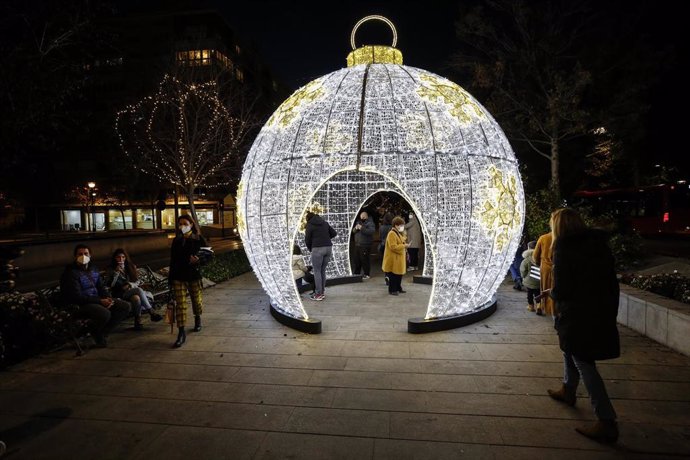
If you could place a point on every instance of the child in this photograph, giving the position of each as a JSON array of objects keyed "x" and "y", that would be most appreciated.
[
  {"x": 528, "y": 281},
  {"x": 300, "y": 272}
]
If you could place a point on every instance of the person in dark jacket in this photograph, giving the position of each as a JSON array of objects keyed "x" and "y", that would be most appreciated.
[
  {"x": 82, "y": 284},
  {"x": 318, "y": 237},
  {"x": 185, "y": 275},
  {"x": 586, "y": 318},
  {"x": 364, "y": 231}
]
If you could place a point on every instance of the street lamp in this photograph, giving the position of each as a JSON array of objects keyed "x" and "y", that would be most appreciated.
[{"x": 92, "y": 192}]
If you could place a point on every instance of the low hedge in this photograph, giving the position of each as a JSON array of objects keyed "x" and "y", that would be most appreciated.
[
  {"x": 671, "y": 285},
  {"x": 226, "y": 265}
]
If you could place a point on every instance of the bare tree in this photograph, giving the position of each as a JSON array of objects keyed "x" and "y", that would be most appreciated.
[
  {"x": 526, "y": 57},
  {"x": 189, "y": 133}
]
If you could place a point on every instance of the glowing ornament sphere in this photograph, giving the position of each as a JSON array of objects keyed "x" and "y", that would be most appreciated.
[{"x": 375, "y": 126}]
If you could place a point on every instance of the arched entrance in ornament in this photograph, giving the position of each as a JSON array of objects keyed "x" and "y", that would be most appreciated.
[{"x": 339, "y": 200}]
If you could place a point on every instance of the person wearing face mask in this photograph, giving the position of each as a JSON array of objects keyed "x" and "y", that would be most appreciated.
[
  {"x": 414, "y": 237},
  {"x": 123, "y": 281},
  {"x": 185, "y": 275},
  {"x": 81, "y": 284},
  {"x": 394, "y": 256},
  {"x": 364, "y": 231}
]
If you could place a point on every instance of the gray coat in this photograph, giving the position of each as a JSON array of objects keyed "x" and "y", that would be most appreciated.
[{"x": 414, "y": 233}]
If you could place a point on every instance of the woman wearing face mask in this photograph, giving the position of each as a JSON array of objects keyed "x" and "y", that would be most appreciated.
[
  {"x": 394, "y": 256},
  {"x": 123, "y": 282},
  {"x": 185, "y": 275}
]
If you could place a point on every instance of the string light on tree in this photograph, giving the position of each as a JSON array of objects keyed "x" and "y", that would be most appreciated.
[
  {"x": 374, "y": 126},
  {"x": 183, "y": 135}
]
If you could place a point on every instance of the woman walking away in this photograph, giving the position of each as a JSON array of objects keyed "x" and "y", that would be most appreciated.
[
  {"x": 414, "y": 238},
  {"x": 123, "y": 282},
  {"x": 318, "y": 237},
  {"x": 185, "y": 275},
  {"x": 542, "y": 257},
  {"x": 585, "y": 289},
  {"x": 394, "y": 256}
]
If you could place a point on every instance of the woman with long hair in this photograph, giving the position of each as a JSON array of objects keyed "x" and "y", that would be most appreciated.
[
  {"x": 185, "y": 276},
  {"x": 585, "y": 289},
  {"x": 124, "y": 284},
  {"x": 543, "y": 258}
]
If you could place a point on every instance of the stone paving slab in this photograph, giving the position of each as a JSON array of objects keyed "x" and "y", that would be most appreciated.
[{"x": 248, "y": 387}]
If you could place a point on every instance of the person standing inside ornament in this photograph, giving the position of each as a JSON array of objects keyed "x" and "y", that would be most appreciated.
[
  {"x": 185, "y": 276},
  {"x": 394, "y": 256},
  {"x": 317, "y": 237},
  {"x": 386, "y": 226},
  {"x": 586, "y": 318},
  {"x": 364, "y": 231},
  {"x": 414, "y": 238}
]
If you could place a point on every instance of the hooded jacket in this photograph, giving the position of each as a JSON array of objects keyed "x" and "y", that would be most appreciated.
[
  {"x": 525, "y": 266},
  {"x": 586, "y": 292},
  {"x": 318, "y": 233}
]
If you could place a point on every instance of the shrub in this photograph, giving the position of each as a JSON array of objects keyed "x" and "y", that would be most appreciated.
[
  {"x": 226, "y": 265},
  {"x": 672, "y": 285}
]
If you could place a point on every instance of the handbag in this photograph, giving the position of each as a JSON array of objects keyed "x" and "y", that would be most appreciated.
[
  {"x": 205, "y": 255},
  {"x": 170, "y": 311}
]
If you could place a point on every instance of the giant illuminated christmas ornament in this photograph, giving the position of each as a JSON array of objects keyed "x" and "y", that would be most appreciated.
[{"x": 375, "y": 126}]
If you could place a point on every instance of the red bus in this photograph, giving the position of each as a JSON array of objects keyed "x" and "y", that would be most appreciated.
[{"x": 651, "y": 210}]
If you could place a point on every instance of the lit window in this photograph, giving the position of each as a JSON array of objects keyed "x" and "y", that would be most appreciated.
[{"x": 194, "y": 57}]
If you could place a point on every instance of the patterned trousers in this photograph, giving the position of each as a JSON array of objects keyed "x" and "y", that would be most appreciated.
[{"x": 180, "y": 289}]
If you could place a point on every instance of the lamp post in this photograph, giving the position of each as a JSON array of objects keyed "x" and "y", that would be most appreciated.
[{"x": 92, "y": 192}]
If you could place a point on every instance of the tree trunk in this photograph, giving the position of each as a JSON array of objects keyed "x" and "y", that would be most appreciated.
[
  {"x": 555, "y": 163},
  {"x": 192, "y": 208},
  {"x": 124, "y": 222}
]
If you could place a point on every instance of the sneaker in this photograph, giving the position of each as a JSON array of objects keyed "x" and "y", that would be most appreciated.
[
  {"x": 530, "y": 308},
  {"x": 365, "y": 277},
  {"x": 319, "y": 297},
  {"x": 393, "y": 293},
  {"x": 402, "y": 292}
]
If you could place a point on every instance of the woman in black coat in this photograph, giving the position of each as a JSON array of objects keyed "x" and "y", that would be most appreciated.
[
  {"x": 585, "y": 289},
  {"x": 185, "y": 275}
]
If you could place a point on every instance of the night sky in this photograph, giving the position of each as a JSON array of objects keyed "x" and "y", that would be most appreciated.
[{"x": 301, "y": 41}]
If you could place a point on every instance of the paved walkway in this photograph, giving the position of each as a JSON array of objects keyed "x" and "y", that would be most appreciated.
[{"x": 248, "y": 387}]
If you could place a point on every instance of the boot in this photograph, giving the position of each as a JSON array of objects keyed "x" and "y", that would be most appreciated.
[
  {"x": 137, "y": 324},
  {"x": 197, "y": 323},
  {"x": 602, "y": 431},
  {"x": 181, "y": 338},
  {"x": 564, "y": 394}
]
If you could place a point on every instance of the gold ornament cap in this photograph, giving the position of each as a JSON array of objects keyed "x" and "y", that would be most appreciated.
[{"x": 374, "y": 54}]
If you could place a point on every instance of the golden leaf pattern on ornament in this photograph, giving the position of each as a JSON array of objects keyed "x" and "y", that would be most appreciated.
[
  {"x": 462, "y": 106},
  {"x": 500, "y": 213},
  {"x": 292, "y": 106}
]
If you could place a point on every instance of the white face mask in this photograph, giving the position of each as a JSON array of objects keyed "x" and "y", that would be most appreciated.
[
  {"x": 121, "y": 264},
  {"x": 83, "y": 259},
  {"x": 185, "y": 228},
  {"x": 411, "y": 216},
  {"x": 401, "y": 228}
]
